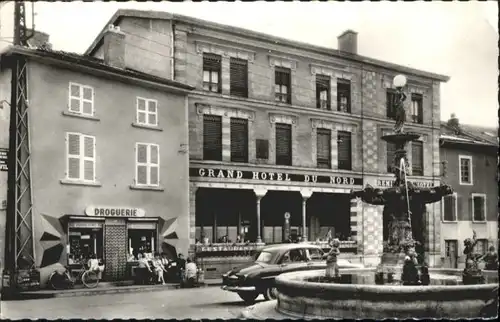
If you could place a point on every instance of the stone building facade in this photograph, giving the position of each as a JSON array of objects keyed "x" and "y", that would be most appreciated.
[{"x": 292, "y": 94}]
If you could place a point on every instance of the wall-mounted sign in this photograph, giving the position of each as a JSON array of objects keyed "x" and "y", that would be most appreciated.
[
  {"x": 416, "y": 183},
  {"x": 85, "y": 224},
  {"x": 3, "y": 159},
  {"x": 114, "y": 212},
  {"x": 274, "y": 176}
]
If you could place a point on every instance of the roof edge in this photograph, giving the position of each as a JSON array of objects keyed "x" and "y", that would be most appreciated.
[
  {"x": 116, "y": 72},
  {"x": 261, "y": 36}
]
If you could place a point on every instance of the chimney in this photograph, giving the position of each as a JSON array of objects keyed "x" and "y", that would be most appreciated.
[
  {"x": 39, "y": 40},
  {"x": 114, "y": 47},
  {"x": 454, "y": 123},
  {"x": 348, "y": 42}
]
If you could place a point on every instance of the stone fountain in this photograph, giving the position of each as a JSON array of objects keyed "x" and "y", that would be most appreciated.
[
  {"x": 380, "y": 293},
  {"x": 399, "y": 249}
]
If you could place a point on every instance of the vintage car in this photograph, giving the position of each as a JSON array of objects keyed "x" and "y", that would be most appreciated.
[{"x": 258, "y": 278}]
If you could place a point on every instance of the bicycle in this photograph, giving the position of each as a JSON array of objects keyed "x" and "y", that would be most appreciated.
[{"x": 59, "y": 281}]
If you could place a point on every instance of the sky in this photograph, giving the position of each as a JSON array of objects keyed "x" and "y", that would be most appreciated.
[{"x": 457, "y": 39}]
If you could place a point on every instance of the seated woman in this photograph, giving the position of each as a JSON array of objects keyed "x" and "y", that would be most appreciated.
[{"x": 159, "y": 268}]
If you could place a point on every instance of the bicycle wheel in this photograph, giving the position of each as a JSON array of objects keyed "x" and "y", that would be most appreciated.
[
  {"x": 90, "y": 279},
  {"x": 57, "y": 281}
]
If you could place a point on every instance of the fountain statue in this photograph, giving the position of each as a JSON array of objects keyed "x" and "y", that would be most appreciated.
[
  {"x": 332, "y": 268},
  {"x": 398, "y": 198},
  {"x": 472, "y": 273}
]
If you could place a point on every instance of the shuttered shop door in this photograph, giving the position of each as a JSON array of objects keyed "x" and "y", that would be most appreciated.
[
  {"x": 344, "y": 152},
  {"x": 283, "y": 144},
  {"x": 239, "y": 77},
  {"x": 239, "y": 140},
  {"x": 212, "y": 137}
]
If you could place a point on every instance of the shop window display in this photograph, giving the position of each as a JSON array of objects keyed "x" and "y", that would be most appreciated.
[
  {"x": 83, "y": 243},
  {"x": 141, "y": 241}
]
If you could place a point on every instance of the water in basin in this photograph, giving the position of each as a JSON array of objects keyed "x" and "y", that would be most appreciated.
[{"x": 368, "y": 278}]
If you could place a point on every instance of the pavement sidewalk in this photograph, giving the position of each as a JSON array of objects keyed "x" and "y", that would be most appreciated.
[{"x": 106, "y": 288}]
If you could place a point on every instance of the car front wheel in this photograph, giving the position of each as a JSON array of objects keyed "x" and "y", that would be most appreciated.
[
  {"x": 248, "y": 297},
  {"x": 270, "y": 293}
]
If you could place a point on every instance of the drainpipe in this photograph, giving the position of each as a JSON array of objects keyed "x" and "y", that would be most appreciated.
[
  {"x": 172, "y": 51},
  {"x": 362, "y": 165}
]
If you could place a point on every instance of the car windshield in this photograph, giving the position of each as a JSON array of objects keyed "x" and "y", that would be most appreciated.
[{"x": 264, "y": 257}]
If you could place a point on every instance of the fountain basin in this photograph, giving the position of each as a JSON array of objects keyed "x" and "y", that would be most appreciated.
[{"x": 304, "y": 295}]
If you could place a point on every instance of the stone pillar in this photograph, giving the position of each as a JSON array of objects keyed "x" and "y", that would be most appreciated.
[
  {"x": 225, "y": 75},
  {"x": 306, "y": 194},
  {"x": 192, "y": 213},
  {"x": 260, "y": 193}
]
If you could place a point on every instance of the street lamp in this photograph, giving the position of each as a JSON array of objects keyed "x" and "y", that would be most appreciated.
[{"x": 399, "y": 81}]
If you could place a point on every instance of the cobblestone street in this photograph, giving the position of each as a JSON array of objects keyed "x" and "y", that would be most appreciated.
[{"x": 207, "y": 302}]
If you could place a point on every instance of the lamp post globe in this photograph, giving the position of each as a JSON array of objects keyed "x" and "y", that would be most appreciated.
[{"x": 399, "y": 81}]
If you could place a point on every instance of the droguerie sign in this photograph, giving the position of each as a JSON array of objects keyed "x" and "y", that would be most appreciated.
[
  {"x": 273, "y": 176},
  {"x": 114, "y": 212}
]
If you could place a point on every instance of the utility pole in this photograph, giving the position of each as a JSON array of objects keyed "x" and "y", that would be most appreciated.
[{"x": 20, "y": 246}]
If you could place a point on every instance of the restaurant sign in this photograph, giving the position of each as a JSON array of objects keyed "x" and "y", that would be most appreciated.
[
  {"x": 416, "y": 183},
  {"x": 114, "y": 212},
  {"x": 274, "y": 176}
]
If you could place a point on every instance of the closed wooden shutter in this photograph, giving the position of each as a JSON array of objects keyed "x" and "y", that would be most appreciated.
[
  {"x": 212, "y": 137},
  {"x": 239, "y": 140},
  {"x": 142, "y": 161},
  {"x": 239, "y": 77},
  {"x": 344, "y": 150},
  {"x": 283, "y": 144},
  {"x": 323, "y": 86},
  {"x": 89, "y": 158},
  {"x": 323, "y": 156},
  {"x": 417, "y": 160},
  {"x": 391, "y": 153},
  {"x": 262, "y": 147},
  {"x": 73, "y": 156},
  {"x": 449, "y": 208}
]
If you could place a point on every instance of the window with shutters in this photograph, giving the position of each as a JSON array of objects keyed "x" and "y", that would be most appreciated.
[
  {"x": 391, "y": 154},
  {"x": 81, "y": 99},
  {"x": 239, "y": 140},
  {"x": 478, "y": 207},
  {"x": 238, "y": 77},
  {"x": 282, "y": 81},
  {"x": 323, "y": 92},
  {"x": 417, "y": 108},
  {"x": 211, "y": 73},
  {"x": 417, "y": 158},
  {"x": 283, "y": 144},
  {"x": 80, "y": 154},
  {"x": 344, "y": 95},
  {"x": 147, "y": 111},
  {"x": 147, "y": 170},
  {"x": 449, "y": 207},
  {"x": 262, "y": 147},
  {"x": 344, "y": 150},
  {"x": 323, "y": 151},
  {"x": 390, "y": 103},
  {"x": 465, "y": 167},
  {"x": 212, "y": 137}
]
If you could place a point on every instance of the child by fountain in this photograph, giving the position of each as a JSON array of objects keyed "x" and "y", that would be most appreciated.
[
  {"x": 332, "y": 268},
  {"x": 410, "y": 271}
]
